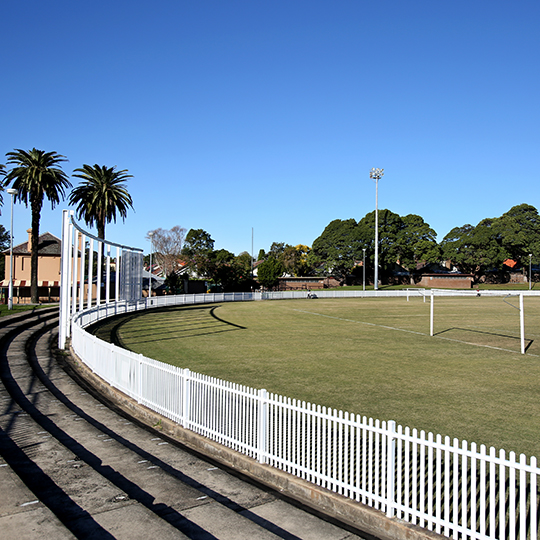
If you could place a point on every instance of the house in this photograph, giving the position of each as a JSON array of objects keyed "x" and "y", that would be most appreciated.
[{"x": 49, "y": 261}]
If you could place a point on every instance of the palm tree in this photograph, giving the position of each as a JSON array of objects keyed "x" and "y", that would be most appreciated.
[
  {"x": 35, "y": 175},
  {"x": 2, "y": 173},
  {"x": 100, "y": 195}
]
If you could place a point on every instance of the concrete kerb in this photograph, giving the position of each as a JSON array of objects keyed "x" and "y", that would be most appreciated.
[{"x": 355, "y": 514}]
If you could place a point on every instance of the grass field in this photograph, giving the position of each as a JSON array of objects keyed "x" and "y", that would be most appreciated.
[{"x": 368, "y": 356}]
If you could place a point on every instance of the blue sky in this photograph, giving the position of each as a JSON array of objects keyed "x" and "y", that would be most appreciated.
[{"x": 233, "y": 115}]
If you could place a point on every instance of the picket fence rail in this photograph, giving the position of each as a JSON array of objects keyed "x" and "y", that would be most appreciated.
[{"x": 453, "y": 488}]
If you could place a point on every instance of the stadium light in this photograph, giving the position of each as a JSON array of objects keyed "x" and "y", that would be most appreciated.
[
  {"x": 12, "y": 192},
  {"x": 376, "y": 175},
  {"x": 364, "y": 269},
  {"x": 530, "y": 270},
  {"x": 150, "y": 234}
]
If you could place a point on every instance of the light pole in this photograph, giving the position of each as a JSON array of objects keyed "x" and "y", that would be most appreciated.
[
  {"x": 376, "y": 175},
  {"x": 12, "y": 192},
  {"x": 364, "y": 269},
  {"x": 150, "y": 234},
  {"x": 530, "y": 270}
]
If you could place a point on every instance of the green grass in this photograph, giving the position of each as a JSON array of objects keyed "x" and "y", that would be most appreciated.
[{"x": 368, "y": 356}]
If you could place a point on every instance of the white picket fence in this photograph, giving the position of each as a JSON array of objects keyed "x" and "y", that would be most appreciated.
[
  {"x": 454, "y": 488},
  {"x": 451, "y": 487}
]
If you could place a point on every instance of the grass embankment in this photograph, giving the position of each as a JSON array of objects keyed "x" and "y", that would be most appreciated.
[{"x": 368, "y": 356}]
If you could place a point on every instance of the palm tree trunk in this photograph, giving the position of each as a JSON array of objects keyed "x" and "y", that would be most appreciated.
[{"x": 36, "y": 212}]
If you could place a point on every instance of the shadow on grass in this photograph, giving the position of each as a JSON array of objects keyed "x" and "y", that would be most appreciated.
[
  {"x": 484, "y": 332},
  {"x": 208, "y": 323}
]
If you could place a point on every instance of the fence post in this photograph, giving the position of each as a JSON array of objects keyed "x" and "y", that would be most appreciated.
[
  {"x": 65, "y": 315},
  {"x": 431, "y": 314},
  {"x": 390, "y": 469},
  {"x": 185, "y": 398},
  {"x": 262, "y": 427}
]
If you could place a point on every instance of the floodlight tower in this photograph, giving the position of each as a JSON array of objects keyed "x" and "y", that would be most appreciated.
[{"x": 376, "y": 175}]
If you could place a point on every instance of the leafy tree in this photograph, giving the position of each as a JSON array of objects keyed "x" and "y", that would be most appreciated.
[
  {"x": 100, "y": 195},
  {"x": 198, "y": 248},
  {"x": 2, "y": 173},
  {"x": 487, "y": 244},
  {"x": 36, "y": 175},
  {"x": 390, "y": 229},
  {"x": 174, "y": 284},
  {"x": 167, "y": 245},
  {"x": 295, "y": 260},
  {"x": 197, "y": 242},
  {"x": 244, "y": 263},
  {"x": 457, "y": 247},
  {"x": 262, "y": 255},
  {"x": 519, "y": 230},
  {"x": 338, "y": 247},
  {"x": 269, "y": 272},
  {"x": 416, "y": 242}
]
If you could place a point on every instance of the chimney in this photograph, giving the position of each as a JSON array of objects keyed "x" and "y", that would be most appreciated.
[{"x": 29, "y": 231}]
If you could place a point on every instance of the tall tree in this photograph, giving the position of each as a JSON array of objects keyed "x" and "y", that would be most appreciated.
[
  {"x": 269, "y": 272},
  {"x": 520, "y": 232},
  {"x": 417, "y": 242},
  {"x": 100, "y": 195},
  {"x": 198, "y": 248},
  {"x": 337, "y": 248},
  {"x": 457, "y": 247},
  {"x": 36, "y": 175}
]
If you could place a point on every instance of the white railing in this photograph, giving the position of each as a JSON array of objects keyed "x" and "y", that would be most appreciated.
[{"x": 453, "y": 488}]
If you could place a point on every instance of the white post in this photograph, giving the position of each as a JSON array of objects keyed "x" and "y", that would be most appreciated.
[
  {"x": 12, "y": 192},
  {"x": 75, "y": 258},
  {"x": 522, "y": 323},
  {"x": 98, "y": 273},
  {"x": 65, "y": 286},
  {"x": 431, "y": 315},
  {"x": 376, "y": 175},
  {"x": 108, "y": 276},
  {"x": 390, "y": 469},
  {"x": 90, "y": 273},
  {"x": 185, "y": 398},
  {"x": 117, "y": 276},
  {"x": 83, "y": 262},
  {"x": 263, "y": 425},
  {"x": 376, "y": 276}
]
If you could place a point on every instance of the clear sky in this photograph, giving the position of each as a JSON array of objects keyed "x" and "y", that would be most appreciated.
[{"x": 242, "y": 114}]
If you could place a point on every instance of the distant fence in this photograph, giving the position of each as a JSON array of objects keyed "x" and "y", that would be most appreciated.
[{"x": 454, "y": 488}]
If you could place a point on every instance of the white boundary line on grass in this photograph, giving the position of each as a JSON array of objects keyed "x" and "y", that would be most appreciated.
[{"x": 412, "y": 332}]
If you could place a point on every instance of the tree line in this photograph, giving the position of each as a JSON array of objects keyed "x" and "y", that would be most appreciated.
[
  {"x": 405, "y": 242},
  {"x": 37, "y": 176},
  {"x": 177, "y": 252},
  {"x": 408, "y": 241}
]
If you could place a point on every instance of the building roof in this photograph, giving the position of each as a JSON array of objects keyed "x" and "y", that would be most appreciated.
[{"x": 48, "y": 244}]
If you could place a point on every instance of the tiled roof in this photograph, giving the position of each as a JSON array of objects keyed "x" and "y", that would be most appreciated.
[{"x": 48, "y": 244}]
